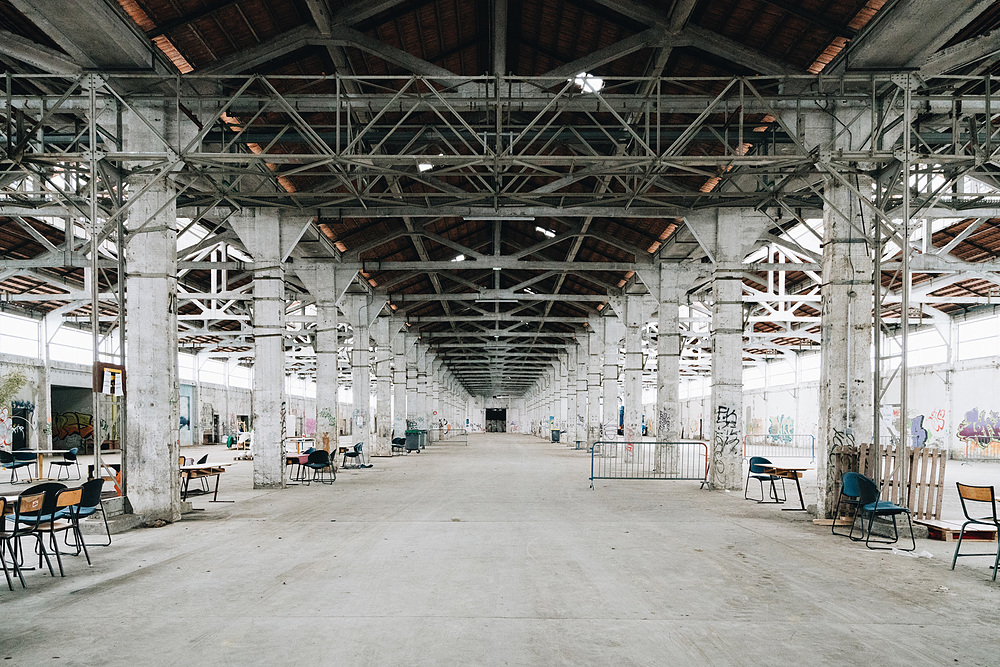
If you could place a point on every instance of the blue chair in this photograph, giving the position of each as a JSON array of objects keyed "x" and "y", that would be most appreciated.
[
  {"x": 90, "y": 504},
  {"x": 319, "y": 462},
  {"x": 850, "y": 497},
  {"x": 354, "y": 454},
  {"x": 31, "y": 516},
  {"x": 761, "y": 474},
  {"x": 982, "y": 501},
  {"x": 11, "y": 462},
  {"x": 68, "y": 459},
  {"x": 872, "y": 507}
]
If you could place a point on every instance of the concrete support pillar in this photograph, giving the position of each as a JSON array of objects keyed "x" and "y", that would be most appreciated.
[
  {"x": 260, "y": 230},
  {"x": 152, "y": 429},
  {"x": 422, "y": 386},
  {"x": 563, "y": 380},
  {"x": 845, "y": 388},
  {"x": 668, "y": 356},
  {"x": 571, "y": 408},
  {"x": 594, "y": 347},
  {"x": 327, "y": 365},
  {"x": 383, "y": 389},
  {"x": 398, "y": 383},
  {"x": 582, "y": 353},
  {"x": 613, "y": 334},
  {"x": 727, "y": 375},
  {"x": 359, "y": 310},
  {"x": 634, "y": 319},
  {"x": 412, "y": 394}
]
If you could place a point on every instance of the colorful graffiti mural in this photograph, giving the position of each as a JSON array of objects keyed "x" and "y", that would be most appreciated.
[
  {"x": 781, "y": 429},
  {"x": 755, "y": 426},
  {"x": 72, "y": 429},
  {"x": 980, "y": 425},
  {"x": 7, "y": 427},
  {"x": 918, "y": 434}
]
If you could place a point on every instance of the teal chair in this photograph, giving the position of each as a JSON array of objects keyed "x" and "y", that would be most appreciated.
[{"x": 872, "y": 507}]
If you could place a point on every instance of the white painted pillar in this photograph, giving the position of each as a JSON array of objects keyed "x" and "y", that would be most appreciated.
[
  {"x": 582, "y": 368},
  {"x": 383, "y": 389},
  {"x": 422, "y": 387},
  {"x": 571, "y": 408},
  {"x": 412, "y": 393},
  {"x": 613, "y": 333},
  {"x": 152, "y": 428},
  {"x": 594, "y": 347},
  {"x": 260, "y": 231},
  {"x": 845, "y": 388},
  {"x": 398, "y": 383},
  {"x": 634, "y": 320}
]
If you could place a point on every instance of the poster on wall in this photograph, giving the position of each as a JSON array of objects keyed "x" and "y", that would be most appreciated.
[{"x": 109, "y": 379}]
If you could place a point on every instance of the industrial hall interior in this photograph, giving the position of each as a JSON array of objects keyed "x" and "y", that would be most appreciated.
[{"x": 519, "y": 332}]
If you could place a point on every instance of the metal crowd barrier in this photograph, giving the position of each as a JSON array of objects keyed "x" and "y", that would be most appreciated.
[
  {"x": 785, "y": 445},
  {"x": 457, "y": 436},
  {"x": 683, "y": 460},
  {"x": 982, "y": 447}
]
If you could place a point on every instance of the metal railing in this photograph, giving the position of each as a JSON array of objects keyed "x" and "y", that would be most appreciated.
[
  {"x": 785, "y": 445},
  {"x": 982, "y": 447},
  {"x": 683, "y": 460},
  {"x": 457, "y": 436}
]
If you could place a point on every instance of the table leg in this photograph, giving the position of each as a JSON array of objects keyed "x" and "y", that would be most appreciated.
[
  {"x": 802, "y": 503},
  {"x": 215, "y": 498}
]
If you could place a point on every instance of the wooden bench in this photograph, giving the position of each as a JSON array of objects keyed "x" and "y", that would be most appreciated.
[{"x": 948, "y": 531}]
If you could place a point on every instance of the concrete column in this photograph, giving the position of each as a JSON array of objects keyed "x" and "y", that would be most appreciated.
[
  {"x": 398, "y": 384},
  {"x": 571, "y": 408},
  {"x": 582, "y": 353},
  {"x": 634, "y": 319},
  {"x": 668, "y": 356},
  {"x": 594, "y": 347},
  {"x": 260, "y": 231},
  {"x": 563, "y": 379},
  {"x": 356, "y": 307},
  {"x": 152, "y": 428},
  {"x": 327, "y": 364},
  {"x": 383, "y": 389},
  {"x": 613, "y": 334},
  {"x": 845, "y": 388},
  {"x": 727, "y": 375},
  {"x": 422, "y": 363},
  {"x": 412, "y": 394}
]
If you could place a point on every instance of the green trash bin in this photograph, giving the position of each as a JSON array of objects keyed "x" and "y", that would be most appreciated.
[
  {"x": 555, "y": 435},
  {"x": 412, "y": 440}
]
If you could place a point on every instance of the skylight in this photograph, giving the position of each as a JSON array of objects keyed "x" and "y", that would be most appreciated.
[
  {"x": 547, "y": 232},
  {"x": 589, "y": 83},
  {"x": 459, "y": 258}
]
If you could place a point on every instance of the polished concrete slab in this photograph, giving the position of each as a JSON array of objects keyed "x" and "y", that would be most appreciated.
[{"x": 497, "y": 553}]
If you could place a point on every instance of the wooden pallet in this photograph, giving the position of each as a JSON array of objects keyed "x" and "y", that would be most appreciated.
[{"x": 948, "y": 531}]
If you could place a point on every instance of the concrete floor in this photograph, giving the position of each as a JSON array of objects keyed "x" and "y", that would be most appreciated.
[{"x": 498, "y": 553}]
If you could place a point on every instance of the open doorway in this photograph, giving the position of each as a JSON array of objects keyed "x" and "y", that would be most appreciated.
[{"x": 496, "y": 420}]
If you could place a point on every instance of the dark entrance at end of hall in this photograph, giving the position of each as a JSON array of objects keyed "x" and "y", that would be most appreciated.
[{"x": 496, "y": 420}]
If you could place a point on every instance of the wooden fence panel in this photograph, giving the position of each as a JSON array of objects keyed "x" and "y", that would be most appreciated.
[{"x": 926, "y": 475}]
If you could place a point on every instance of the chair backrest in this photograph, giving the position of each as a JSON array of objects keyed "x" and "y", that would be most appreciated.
[
  {"x": 310, "y": 450},
  {"x": 6, "y": 457},
  {"x": 755, "y": 463},
  {"x": 28, "y": 510},
  {"x": 70, "y": 455},
  {"x": 50, "y": 490},
  {"x": 849, "y": 484},
  {"x": 319, "y": 456},
  {"x": 970, "y": 495},
  {"x": 357, "y": 447},
  {"x": 867, "y": 490},
  {"x": 203, "y": 459},
  {"x": 180, "y": 460},
  {"x": 69, "y": 498},
  {"x": 91, "y": 496},
  {"x": 25, "y": 455}
]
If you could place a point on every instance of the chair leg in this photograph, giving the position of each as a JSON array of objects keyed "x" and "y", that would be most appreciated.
[
  {"x": 6, "y": 570},
  {"x": 996, "y": 562}
]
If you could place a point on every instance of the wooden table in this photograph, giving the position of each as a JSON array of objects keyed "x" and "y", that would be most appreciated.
[
  {"x": 788, "y": 472},
  {"x": 202, "y": 471}
]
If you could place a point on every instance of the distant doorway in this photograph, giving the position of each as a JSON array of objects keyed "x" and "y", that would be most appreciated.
[{"x": 496, "y": 420}]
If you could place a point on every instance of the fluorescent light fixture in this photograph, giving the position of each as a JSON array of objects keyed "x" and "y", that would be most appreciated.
[
  {"x": 496, "y": 301},
  {"x": 424, "y": 166},
  {"x": 459, "y": 258},
  {"x": 588, "y": 82},
  {"x": 546, "y": 232},
  {"x": 512, "y": 218},
  {"x": 496, "y": 268},
  {"x": 528, "y": 290}
]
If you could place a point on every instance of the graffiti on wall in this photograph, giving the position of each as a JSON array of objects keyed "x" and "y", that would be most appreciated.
[
  {"x": 7, "y": 427},
  {"x": 980, "y": 428},
  {"x": 755, "y": 427},
  {"x": 727, "y": 439},
  {"x": 781, "y": 429},
  {"x": 918, "y": 434},
  {"x": 72, "y": 429},
  {"x": 936, "y": 421}
]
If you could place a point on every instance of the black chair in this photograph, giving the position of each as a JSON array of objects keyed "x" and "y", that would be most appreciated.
[
  {"x": 981, "y": 500},
  {"x": 850, "y": 497},
  {"x": 5, "y": 543},
  {"x": 320, "y": 462},
  {"x": 66, "y": 519},
  {"x": 761, "y": 474},
  {"x": 10, "y": 462},
  {"x": 399, "y": 445},
  {"x": 293, "y": 462},
  {"x": 68, "y": 459},
  {"x": 90, "y": 504},
  {"x": 29, "y": 514},
  {"x": 355, "y": 455},
  {"x": 203, "y": 459},
  {"x": 872, "y": 507}
]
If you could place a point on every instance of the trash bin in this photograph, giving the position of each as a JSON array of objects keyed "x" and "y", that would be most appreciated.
[
  {"x": 412, "y": 440},
  {"x": 555, "y": 435},
  {"x": 422, "y": 438}
]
